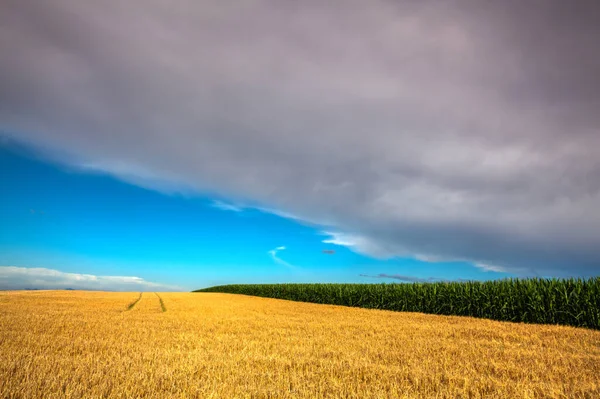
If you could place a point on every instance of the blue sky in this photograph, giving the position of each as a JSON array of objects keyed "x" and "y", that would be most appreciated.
[{"x": 57, "y": 217}]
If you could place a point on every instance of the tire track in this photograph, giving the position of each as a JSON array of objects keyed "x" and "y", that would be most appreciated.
[
  {"x": 132, "y": 304},
  {"x": 162, "y": 304}
]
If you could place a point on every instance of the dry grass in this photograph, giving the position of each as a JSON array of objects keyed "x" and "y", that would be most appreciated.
[{"x": 62, "y": 344}]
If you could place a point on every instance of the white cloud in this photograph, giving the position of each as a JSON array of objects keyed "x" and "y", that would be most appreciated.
[
  {"x": 360, "y": 244},
  {"x": 225, "y": 206},
  {"x": 16, "y": 278},
  {"x": 279, "y": 213},
  {"x": 364, "y": 245},
  {"x": 490, "y": 268},
  {"x": 277, "y": 259}
]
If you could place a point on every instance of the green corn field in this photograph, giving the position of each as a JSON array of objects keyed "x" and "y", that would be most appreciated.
[{"x": 574, "y": 302}]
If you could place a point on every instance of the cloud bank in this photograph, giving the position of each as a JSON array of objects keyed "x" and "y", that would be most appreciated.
[
  {"x": 408, "y": 279},
  {"x": 444, "y": 130},
  {"x": 24, "y": 278},
  {"x": 413, "y": 279}
]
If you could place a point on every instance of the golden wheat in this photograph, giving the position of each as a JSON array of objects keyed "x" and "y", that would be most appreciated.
[{"x": 61, "y": 344}]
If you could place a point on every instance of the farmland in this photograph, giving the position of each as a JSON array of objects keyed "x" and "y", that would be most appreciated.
[
  {"x": 574, "y": 302},
  {"x": 71, "y": 344}
]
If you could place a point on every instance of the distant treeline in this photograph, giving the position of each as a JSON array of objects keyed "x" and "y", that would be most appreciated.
[{"x": 573, "y": 302}]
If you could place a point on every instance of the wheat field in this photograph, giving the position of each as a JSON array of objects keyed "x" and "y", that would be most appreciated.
[{"x": 70, "y": 344}]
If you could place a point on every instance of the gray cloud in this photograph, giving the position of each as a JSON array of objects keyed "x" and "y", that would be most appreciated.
[
  {"x": 19, "y": 278},
  {"x": 444, "y": 130}
]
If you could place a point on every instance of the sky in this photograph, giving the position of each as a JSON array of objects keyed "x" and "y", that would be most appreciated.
[
  {"x": 63, "y": 227},
  {"x": 147, "y": 146}
]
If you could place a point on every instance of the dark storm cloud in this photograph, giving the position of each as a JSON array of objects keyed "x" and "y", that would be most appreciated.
[{"x": 442, "y": 130}]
